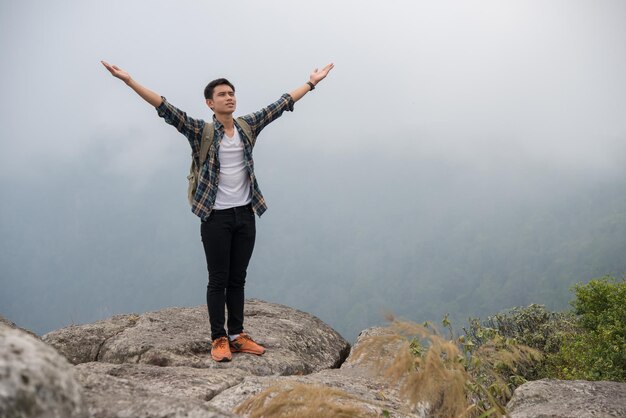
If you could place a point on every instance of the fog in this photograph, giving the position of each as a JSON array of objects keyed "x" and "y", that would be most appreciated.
[{"x": 462, "y": 157}]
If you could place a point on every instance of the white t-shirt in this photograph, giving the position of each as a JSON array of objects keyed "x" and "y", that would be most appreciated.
[{"x": 233, "y": 186}]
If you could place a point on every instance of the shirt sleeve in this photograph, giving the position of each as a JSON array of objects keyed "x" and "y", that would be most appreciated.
[
  {"x": 260, "y": 119},
  {"x": 190, "y": 127}
]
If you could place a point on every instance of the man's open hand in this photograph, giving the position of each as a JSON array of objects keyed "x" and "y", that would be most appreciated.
[
  {"x": 117, "y": 71},
  {"x": 319, "y": 75},
  {"x": 148, "y": 95}
]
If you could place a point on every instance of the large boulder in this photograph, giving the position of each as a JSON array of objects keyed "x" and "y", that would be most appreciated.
[
  {"x": 35, "y": 380},
  {"x": 12, "y": 324},
  {"x": 568, "y": 399},
  {"x": 296, "y": 342},
  {"x": 158, "y": 364}
]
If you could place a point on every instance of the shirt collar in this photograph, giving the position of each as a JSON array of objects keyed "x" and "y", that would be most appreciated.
[{"x": 218, "y": 125}]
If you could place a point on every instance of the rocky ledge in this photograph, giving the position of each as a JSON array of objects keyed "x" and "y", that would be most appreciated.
[{"x": 157, "y": 364}]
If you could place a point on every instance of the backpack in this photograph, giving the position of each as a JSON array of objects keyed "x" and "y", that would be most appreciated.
[{"x": 205, "y": 144}]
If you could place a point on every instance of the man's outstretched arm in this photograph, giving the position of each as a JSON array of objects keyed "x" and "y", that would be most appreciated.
[
  {"x": 148, "y": 95},
  {"x": 315, "y": 77}
]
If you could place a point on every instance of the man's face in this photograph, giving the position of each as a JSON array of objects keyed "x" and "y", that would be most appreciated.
[{"x": 223, "y": 101}]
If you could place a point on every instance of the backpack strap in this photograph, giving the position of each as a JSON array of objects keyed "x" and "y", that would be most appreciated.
[
  {"x": 207, "y": 138},
  {"x": 205, "y": 143},
  {"x": 246, "y": 130}
]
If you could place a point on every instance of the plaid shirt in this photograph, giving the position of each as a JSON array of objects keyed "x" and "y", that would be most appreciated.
[{"x": 206, "y": 191}]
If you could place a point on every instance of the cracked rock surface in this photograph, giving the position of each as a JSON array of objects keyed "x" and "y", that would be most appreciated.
[
  {"x": 568, "y": 399},
  {"x": 141, "y": 390},
  {"x": 158, "y": 364}
]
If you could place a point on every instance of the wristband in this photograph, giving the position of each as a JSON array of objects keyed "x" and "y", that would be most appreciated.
[{"x": 311, "y": 85}]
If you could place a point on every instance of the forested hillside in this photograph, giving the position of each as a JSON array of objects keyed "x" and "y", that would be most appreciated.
[
  {"x": 346, "y": 238},
  {"x": 420, "y": 238}
]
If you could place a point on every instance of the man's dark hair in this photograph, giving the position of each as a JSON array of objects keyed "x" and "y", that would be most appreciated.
[{"x": 208, "y": 90}]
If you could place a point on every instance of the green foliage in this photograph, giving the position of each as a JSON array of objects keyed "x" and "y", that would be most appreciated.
[
  {"x": 533, "y": 326},
  {"x": 416, "y": 348},
  {"x": 599, "y": 352},
  {"x": 588, "y": 342},
  {"x": 496, "y": 368}
]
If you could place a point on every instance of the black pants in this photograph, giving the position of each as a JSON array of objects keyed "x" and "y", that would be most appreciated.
[{"x": 228, "y": 237}]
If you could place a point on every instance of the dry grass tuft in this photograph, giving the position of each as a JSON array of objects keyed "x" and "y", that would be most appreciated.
[
  {"x": 433, "y": 376},
  {"x": 447, "y": 375},
  {"x": 300, "y": 400}
]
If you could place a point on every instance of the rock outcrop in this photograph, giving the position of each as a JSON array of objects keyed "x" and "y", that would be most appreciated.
[
  {"x": 35, "y": 380},
  {"x": 298, "y": 343},
  {"x": 10, "y": 324},
  {"x": 158, "y": 364},
  {"x": 568, "y": 399}
]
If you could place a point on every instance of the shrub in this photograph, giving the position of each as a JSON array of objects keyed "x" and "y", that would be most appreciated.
[
  {"x": 599, "y": 352},
  {"x": 533, "y": 326},
  {"x": 588, "y": 342}
]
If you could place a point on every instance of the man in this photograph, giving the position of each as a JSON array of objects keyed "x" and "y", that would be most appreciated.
[{"x": 227, "y": 196}]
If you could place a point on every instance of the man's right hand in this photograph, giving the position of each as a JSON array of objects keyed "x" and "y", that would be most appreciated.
[
  {"x": 148, "y": 95},
  {"x": 117, "y": 72}
]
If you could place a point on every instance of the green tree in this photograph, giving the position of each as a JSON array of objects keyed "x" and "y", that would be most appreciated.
[
  {"x": 587, "y": 342},
  {"x": 599, "y": 352}
]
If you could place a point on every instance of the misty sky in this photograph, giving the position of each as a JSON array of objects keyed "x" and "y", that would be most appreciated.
[{"x": 502, "y": 88}]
